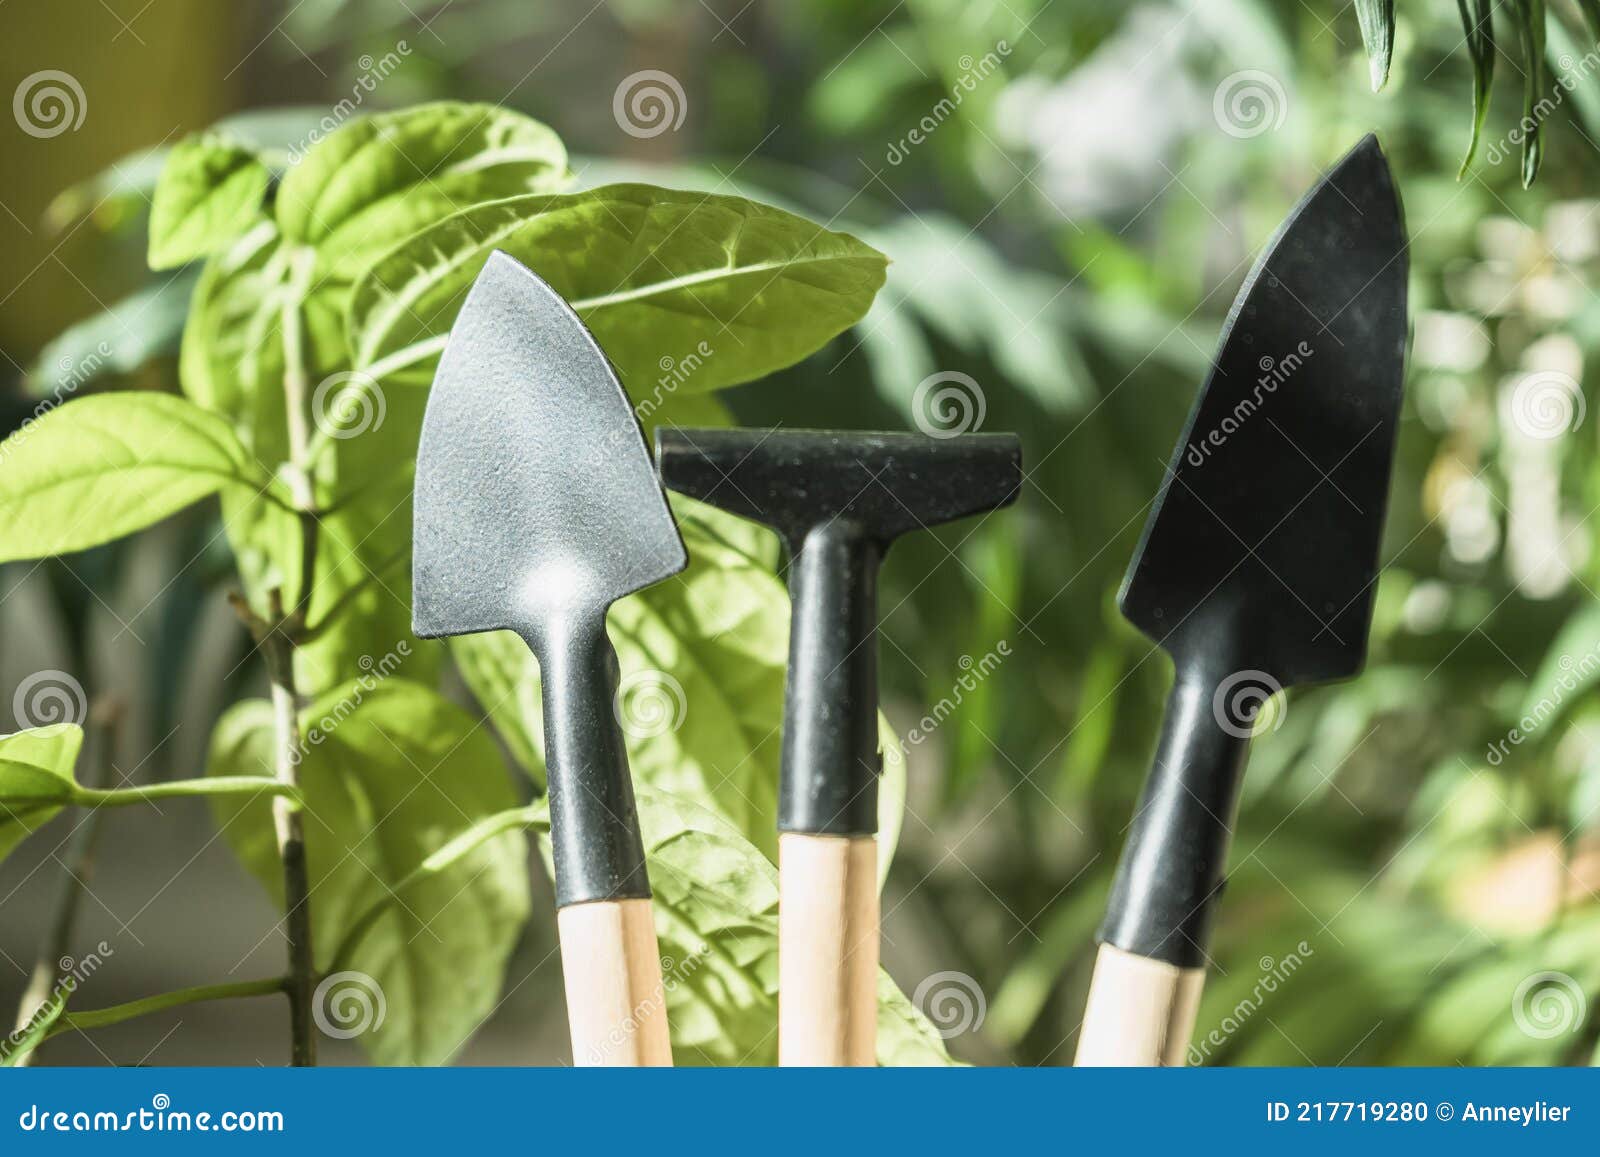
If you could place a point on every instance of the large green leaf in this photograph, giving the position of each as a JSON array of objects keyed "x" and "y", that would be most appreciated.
[
  {"x": 101, "y": 467},
  {"x": 36, "y": 779},
  {"x": 1376, "y": 18},
  {"x": 377, "y": 180},
  {"x": 1529, "y": 17},
  {"x": 1477, "y": 18},
  {"x": 658, "y": 275},
  {"x": 397, "y": 772},
  {"x": 716, "y": 914},
  {"x": 703, "y": 658},
  {"x": 210, "y": 192}
]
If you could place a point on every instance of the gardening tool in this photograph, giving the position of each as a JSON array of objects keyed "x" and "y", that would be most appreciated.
[
  {"x": 537, "y": 507},
  {"x": 1255, "y": 573},
  {"x": 838, "y": 500}
]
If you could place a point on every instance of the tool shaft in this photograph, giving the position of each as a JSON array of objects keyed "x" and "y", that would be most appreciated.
[
  {"x": 1171, "y": 871},
  {"x": 827, "y": 950},
  {"x": 594, "y": 826},
  {"x": 829, "y": 777},
  {"x": 1141, "y": 1012},
  {"x": 616, "y": 1003}
]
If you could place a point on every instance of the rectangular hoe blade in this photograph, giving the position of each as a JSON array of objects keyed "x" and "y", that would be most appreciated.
[
  {"x": 536, "y": 497},
  {"x": 1261, "y": 549}
]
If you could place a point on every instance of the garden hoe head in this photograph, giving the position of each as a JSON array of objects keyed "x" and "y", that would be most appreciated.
[
  {"x": 536, "y": 508},
  {"x": 1258, "y": 563},
  {"x": 838, "y": 500}
]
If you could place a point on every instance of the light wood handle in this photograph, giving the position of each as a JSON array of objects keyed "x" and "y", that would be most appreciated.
[
  {"x": 1141, "y": 1012},
  {"x": 616, "y": 1007},
  {"x": 827, "y": 950}
]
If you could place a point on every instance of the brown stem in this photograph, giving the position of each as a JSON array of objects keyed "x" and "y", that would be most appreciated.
[{"x": 76, "y": 868}]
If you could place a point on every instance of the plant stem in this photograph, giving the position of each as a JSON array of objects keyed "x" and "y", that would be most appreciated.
[
  {"x": 76, "y": 868},
  {"x": 179, "y": 788},
  {"x": 117, "y": 1013},
  {"x": 278, "y": 646}
]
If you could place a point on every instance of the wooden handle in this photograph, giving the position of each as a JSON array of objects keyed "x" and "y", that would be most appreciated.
[
  {"x": 1141, "y": 1012},
  {"x": 616, "y": 1007},
  {"x": 827, "y": 950}
]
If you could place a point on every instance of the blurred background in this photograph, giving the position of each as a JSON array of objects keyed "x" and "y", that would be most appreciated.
[{"x": 1071, "y": 194}]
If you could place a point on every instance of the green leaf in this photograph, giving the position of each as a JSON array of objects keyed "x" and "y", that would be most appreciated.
[
  {"x": 657, "y": 274},
  {"x": 703, "y": 658},
  {"x": 36, "y": 779},
  {"x": 210, "y": 193},
  {"x": 101, "y": 467},
  {"x": 379, "y": 179},
  {"x": 716, "y": 913},
  {"x": 1477, "y": 18},
  {"x": 1529, "y": 16},
  {"x": 1376, "y": 18},
  {"x": 118, "y": 340},
  {"x": 391, "y": 772}
]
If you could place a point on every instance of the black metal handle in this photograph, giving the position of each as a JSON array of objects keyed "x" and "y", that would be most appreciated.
[
  {"x": 829, "y": 781},
  {"x": 1171, "y": 871},
  {"x": 594, "y": 825}
]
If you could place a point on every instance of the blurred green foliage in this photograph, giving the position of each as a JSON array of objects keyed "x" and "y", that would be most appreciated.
[{"x": 1069, "y": 234}]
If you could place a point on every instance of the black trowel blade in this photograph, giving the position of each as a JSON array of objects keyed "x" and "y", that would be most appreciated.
[{"x": 1261, "y": 548}]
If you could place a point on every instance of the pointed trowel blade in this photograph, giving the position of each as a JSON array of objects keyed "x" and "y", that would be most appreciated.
[
  {"x": 536, "y": 496},
  {"x": 1261, "y": 548}
]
